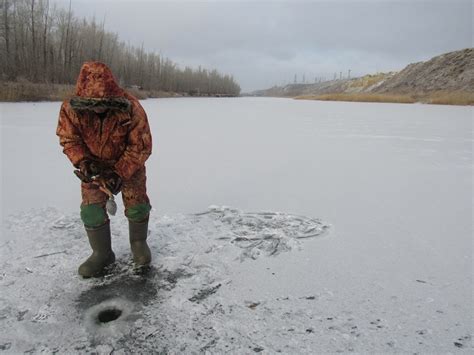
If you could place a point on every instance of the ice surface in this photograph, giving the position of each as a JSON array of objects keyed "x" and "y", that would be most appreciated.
[
  {"x": 47, "y": 307},
  {"x": 366, "y": 245}
]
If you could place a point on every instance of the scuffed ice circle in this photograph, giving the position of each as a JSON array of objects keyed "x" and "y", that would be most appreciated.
[{"x": 267, "y": 233}]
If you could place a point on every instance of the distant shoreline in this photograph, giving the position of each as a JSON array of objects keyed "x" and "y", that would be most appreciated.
[
  {"x": 458, "y": 98},
  {"x": 447, "y": 79},
  {"x": 34, "y": 92}
]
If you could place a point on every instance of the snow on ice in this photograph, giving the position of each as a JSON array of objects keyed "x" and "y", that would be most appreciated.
[
  {"x": 371, "y": 252},
  {"x": 174, "y": 305}
]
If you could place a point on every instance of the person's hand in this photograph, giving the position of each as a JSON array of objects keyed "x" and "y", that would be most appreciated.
[
  {"x": 111, "y": 180},
  {"x": 89, "y": 168}
]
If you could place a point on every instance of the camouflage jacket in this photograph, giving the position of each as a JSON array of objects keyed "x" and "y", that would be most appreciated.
[{"x": 121, "y": 140}]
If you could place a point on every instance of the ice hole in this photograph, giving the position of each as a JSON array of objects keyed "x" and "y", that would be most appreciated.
[{"x": 109, "y": 315}]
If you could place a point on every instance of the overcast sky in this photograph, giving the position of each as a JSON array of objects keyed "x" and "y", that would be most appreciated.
[{"x": 263, "y": 43}]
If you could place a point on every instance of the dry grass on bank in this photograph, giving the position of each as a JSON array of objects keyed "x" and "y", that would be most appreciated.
[
  {"x": 360, "y": 97},
  {"x": 439, "y": 98},
  {"x": 156, "y": 94},
  {"x": 450, "y": 98},
  {"x": 27, "y": 91}
]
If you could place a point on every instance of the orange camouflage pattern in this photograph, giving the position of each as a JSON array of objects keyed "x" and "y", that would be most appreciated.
[
  {"x": 97, "y": 81},
  {"x": 133, "y": 192},
  {"x": 121, "y": 140}
]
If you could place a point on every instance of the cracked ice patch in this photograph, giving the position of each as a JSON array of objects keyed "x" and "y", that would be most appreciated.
[{"x": 263, "y": 233}]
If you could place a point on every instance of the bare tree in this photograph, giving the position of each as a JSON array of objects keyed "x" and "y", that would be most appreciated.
[
  {"x": 39, "y": 38},
  {"x": 6, "y": 35}
]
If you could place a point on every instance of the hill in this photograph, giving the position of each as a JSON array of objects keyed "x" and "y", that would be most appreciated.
[
  {"x": 452, "y": 71},
  {"x": 444, "y": 79}
]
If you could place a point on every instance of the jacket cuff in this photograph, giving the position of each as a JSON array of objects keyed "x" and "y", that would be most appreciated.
[{"x": 75, "y": 156}]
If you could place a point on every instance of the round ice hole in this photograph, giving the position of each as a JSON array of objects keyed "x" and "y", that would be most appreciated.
[{"x": 109, "y": 315}]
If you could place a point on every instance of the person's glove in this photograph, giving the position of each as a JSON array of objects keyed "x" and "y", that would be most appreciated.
[
  {"x": 111, "y": 180},
  {"x": 89, "y": 168}
]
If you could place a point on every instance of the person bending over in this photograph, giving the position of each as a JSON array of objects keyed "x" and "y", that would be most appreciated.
[{"x": 104, "y": 132}]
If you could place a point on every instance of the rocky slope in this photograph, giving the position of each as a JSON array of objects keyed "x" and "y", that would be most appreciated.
[
  {"x": 452, "y": 71},
  {"x": 449, "y": 72}
]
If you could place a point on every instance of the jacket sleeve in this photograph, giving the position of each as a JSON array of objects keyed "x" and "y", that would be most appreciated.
[
  {"x": 70, "y": 138},
  {"x": 139, "y": 144}
]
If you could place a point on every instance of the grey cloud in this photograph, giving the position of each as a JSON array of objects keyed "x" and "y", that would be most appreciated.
[{"x": 266, "y": 42}]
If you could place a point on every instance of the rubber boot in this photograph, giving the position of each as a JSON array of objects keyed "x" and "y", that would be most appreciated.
[
  {"x": 140, "y": 250},
  {"x": 102, "y": 254}
]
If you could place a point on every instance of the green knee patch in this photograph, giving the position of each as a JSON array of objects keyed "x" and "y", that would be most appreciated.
[
  {"x": 138, "y": 213},
  {"x": 93, "y": 215}
]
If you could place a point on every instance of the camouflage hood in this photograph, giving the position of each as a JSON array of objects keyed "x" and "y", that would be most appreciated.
[{"x": 96, "y": 87}]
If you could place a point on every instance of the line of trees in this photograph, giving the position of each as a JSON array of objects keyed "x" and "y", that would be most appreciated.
[{"x": 45, "y": 44}]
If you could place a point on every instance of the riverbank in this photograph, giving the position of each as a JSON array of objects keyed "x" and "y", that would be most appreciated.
[
  {"x": 437, "y": 98},
  {"x": 24, "y": 91},
  {"x": 447, "y": 79}
]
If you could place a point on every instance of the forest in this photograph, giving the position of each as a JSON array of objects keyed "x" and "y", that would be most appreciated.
[{"x": 41, "y": 43}]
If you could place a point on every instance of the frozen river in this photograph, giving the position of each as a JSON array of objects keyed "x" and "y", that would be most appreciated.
[
  {"x": 309, "y": 157},
  {"x": 393, "y": 181}
]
